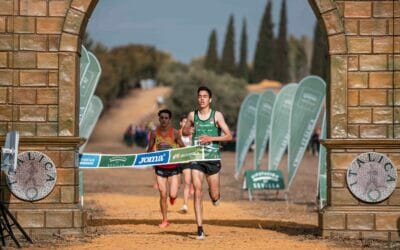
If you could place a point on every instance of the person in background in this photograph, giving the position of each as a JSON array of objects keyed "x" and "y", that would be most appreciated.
[{"x": 185, "y": 170}]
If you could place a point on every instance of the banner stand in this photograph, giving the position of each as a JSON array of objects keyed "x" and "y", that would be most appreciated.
[{"x": 263, "y": 179}]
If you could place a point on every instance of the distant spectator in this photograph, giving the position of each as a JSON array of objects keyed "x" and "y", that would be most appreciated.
[
  {"x": 314, "y": 141},
  {"x": 160, "y": 101},
  {"x": 141, "y": 136},
  {"x": 129, "y": 136}
]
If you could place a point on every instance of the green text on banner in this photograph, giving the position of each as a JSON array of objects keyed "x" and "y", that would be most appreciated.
[
  {"x": 263, "y": 125},
  {"x": 279, "y": 137},
  {"x": 322, "y": 167},
  {"x": 307, "y": 105},
  {"x": 245, "y": 129}
]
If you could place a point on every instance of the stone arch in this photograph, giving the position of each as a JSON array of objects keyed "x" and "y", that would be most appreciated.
[
  {"x": 76, "y": 19},
  {"x": 329, "y": 13},
  {"x": 40, "y": 44}
]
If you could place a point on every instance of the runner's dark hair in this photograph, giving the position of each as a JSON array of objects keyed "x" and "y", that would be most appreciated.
[
  {"x": 201, "y": 88},
  {"x": 166, "y": 111},
  {"x": 182, "y": 117}
]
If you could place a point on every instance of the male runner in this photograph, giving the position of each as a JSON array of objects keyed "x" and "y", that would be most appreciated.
[
  {"x": 163, "y": 138},
  {"x": 185, "y": 170},
  {"x": 205, "y": 125}
]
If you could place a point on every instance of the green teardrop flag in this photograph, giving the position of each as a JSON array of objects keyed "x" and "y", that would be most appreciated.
[
  {"x": 263, "y": 125},
  {"x": 245, "y": 129},
  {"x": 322, "y": 168},
  {"x": 279, "y": 137},
  {"x": 88, "y": 84},
  {"x": 307, "y": 105},
  {"x": 84, "y": 62},
  {"x": 90, "y": 118}
]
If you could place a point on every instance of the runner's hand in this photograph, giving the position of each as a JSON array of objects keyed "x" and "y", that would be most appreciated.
[{"x": 205, "y": 139}]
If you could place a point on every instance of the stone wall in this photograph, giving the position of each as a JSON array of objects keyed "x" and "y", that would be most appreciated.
[
  {"x": 364, "y": 111},
  {"x": 39, "y": 58},
  {"x": 40, "y": 42}
]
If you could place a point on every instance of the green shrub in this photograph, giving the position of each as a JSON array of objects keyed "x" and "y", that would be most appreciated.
[{"x": 228, "y": 92}]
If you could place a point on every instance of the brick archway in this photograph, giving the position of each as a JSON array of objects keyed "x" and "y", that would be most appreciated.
[
  {"x": 328, "y": 13},
  {"x": 40, "y": 43}
]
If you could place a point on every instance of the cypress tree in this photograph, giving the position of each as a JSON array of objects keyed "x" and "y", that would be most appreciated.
[
  {"x": 228, "y": 53},
  {"x": 243, "y": 70},
  {"x": 319, "y": 62},
  {"x": 300, "y": 60},
  {"x": 263, "y": 56},
  {"x": 281, "y": 69},
  {"x": 211, "y": 60}
]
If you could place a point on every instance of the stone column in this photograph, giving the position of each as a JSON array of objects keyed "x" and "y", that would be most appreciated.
[
  {"x": 364, "y": 114},
  {"x": 40, "y": 42}
]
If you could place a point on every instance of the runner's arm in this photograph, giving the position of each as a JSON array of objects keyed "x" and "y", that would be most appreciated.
[
  {"x": 178, "y": 139},
  {"x": 187, "y": 129},
  {"x": 151, "y": 141},
  {"x": 227, "y": 136}
]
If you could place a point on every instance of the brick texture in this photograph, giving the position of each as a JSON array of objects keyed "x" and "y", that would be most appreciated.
[{"x": 39, "y": 44}]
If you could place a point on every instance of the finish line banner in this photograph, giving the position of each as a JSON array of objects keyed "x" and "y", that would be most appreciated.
[{"x": 144, "y": 160}]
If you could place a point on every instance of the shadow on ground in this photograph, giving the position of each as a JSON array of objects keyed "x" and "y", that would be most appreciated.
[{"x": 289, "y": 228}]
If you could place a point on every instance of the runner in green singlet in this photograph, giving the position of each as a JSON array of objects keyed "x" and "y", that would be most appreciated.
[{"x": 205, "y": 126}]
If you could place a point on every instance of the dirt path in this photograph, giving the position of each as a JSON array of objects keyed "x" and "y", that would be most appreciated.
[
  {"x": 132, "y": 109},
  {"x": 123, "y": 211}
]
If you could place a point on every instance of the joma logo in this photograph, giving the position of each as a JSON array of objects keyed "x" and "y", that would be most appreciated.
[{"x": 151, "y": 159}]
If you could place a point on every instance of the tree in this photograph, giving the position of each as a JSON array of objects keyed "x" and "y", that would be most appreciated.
[
  {"x": 298, "y": 62},
  {"x": 281, "y": 69},
  {"x": 88, "y": 41},
  {"x": 301, "y": 59},
  {"x": 228, "y": 53},
  {"x": 211, "y": 61},
  {"x": 263, "y": 57},
  {"x": 243, "y": 70},
  {"x": 228, "y": 92},
  {"x": 319, "y": 62}
]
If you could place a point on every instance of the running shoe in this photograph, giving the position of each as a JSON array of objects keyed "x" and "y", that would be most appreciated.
[
  {"x": 172, "y": 200},
  {"x": 200, "y": 235},
  {"x": 164, "y": 224},
  {"x": 216, "y": 203},
  {"x": 191, "y": 190},
  {"x": 184, "y": 209}
]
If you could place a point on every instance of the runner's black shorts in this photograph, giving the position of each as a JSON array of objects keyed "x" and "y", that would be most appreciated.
[
  {"x": 184, "y": 166},
  {"x": 166, "y": 172},
  {"x": 207, "y": 167}
]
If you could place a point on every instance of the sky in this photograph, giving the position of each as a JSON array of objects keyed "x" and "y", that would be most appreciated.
[{"x": 182, "y": 27}]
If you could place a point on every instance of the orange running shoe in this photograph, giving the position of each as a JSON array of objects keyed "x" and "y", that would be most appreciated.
[
  {"x": 172, "y": 200},
  {"x": 164, "y": 224}
]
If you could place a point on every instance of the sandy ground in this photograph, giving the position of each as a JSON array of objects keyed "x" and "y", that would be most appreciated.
[{"x": 123, "y": 210}]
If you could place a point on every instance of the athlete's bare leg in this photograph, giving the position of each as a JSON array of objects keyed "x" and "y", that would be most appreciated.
[
  {"x": 162, "y": 187},
  {"x": 197, "y": 178},
  {"x": 173, "y": 186},
  {"x": 187, "y": 177},
  {"x": 213, "y": 185}
]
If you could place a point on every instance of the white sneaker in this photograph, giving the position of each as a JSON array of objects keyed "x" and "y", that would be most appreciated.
[
  {"x": 184, "y": 209},
  {"x": 216, "y": 203},
  {"x": 200, "y": 236}
]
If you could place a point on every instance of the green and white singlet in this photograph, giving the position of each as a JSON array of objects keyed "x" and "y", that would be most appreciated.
[{"x": 207, "y": 127}]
